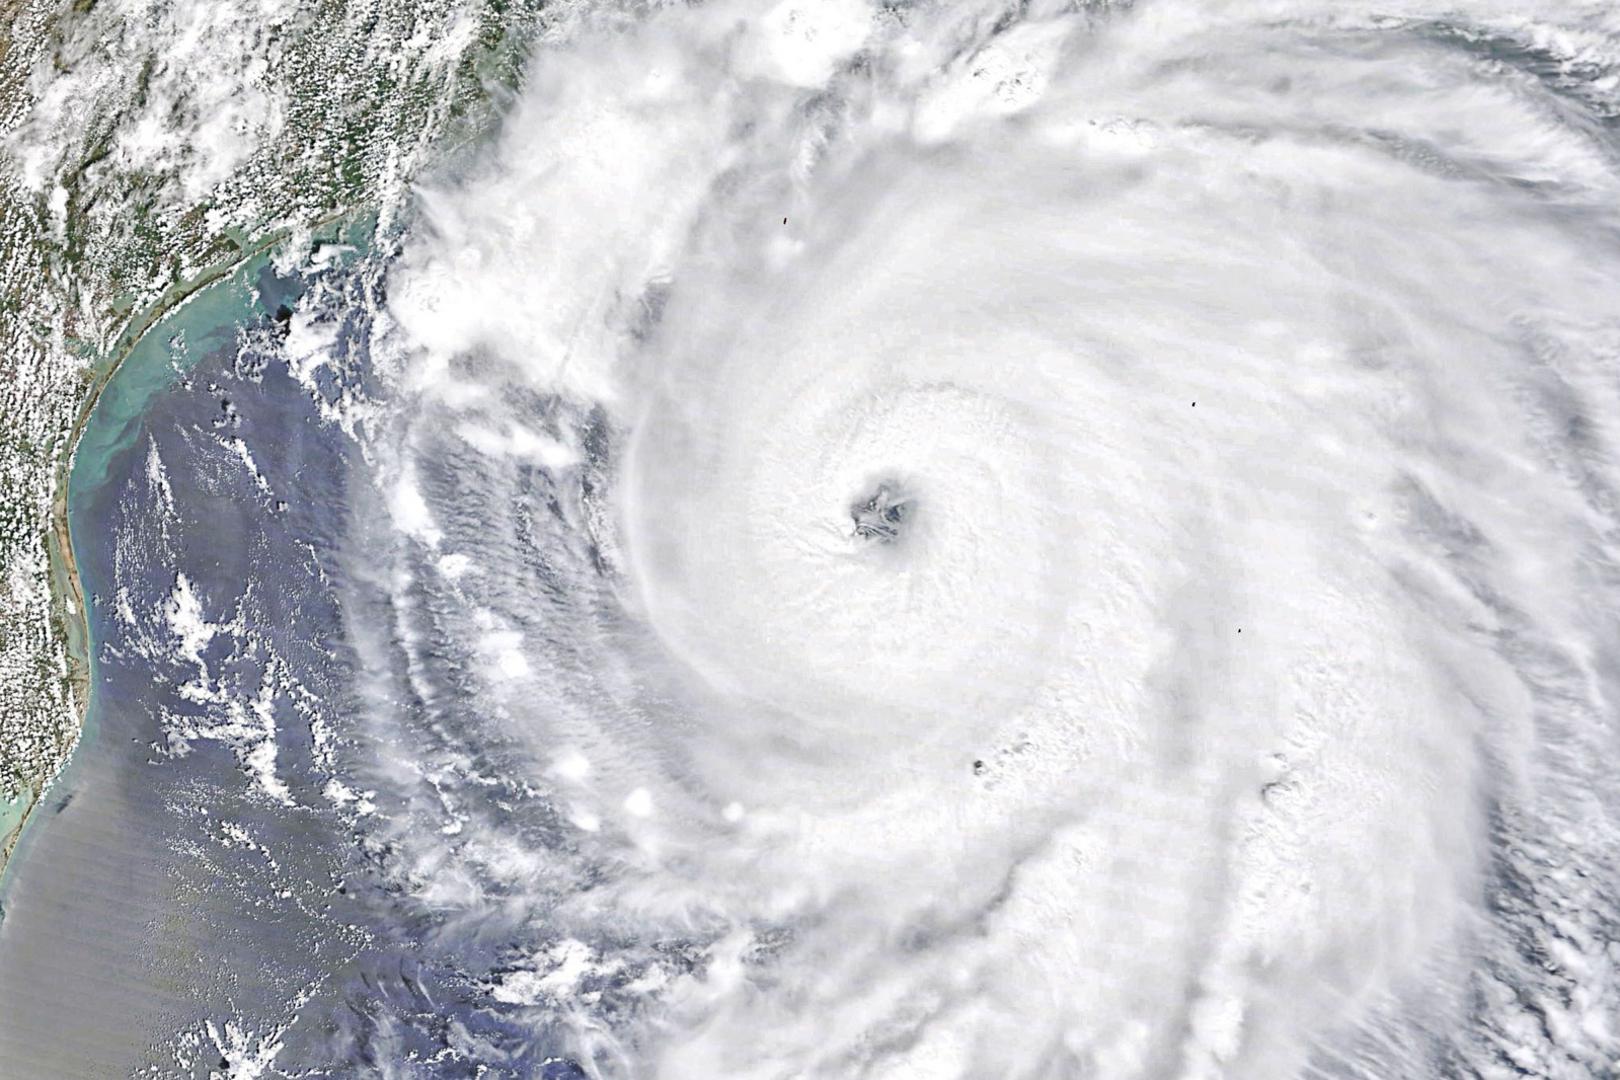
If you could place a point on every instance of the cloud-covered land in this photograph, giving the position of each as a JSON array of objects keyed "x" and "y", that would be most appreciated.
[{"x": 959, "y": 541}]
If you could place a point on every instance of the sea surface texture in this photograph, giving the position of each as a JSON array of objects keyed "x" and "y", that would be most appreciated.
[{"x": 898, "y": 541}]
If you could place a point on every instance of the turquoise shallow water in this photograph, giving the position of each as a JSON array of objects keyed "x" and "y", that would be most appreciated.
[
  {"x": 10, "y": 814},
  {"x": 206, "y": 321},
  {"x": 122, "y": 879}
]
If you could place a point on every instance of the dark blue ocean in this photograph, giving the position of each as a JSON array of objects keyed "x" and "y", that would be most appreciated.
[{"x": 191, "y": 898}]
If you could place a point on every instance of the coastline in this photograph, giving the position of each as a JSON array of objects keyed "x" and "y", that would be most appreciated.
[{"x": 69, "y": 607}]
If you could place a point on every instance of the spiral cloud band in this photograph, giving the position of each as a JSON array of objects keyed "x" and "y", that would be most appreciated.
[{"x": 1051, "y": 540}]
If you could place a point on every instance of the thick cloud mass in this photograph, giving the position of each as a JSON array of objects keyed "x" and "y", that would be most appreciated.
[{"x": 1057, "y": 541}]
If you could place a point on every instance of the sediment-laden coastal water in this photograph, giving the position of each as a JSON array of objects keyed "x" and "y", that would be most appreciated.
[
  {"x": 144, "y": 902},
  {"x": 884, "y": 541}
]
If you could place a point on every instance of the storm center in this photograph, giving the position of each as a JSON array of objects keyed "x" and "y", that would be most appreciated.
[{"x": 881, "y": 517}]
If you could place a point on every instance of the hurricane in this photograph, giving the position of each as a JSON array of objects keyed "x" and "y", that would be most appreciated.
[
  {"x": 1036, "y": 541},
  {"x": 947, "y": 541}
]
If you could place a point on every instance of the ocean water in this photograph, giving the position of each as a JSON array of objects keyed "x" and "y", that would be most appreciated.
[
  {"x": 141, "y": 899},
  {"x": 193, "y": 899},
  {"x": 881, "y": 541}
]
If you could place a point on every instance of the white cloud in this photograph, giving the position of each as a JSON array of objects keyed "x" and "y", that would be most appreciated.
[{"x": 1192, "y": 351}]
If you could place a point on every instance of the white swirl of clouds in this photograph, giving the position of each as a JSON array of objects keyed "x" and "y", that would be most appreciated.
[{"x": 1090, "y": 545}]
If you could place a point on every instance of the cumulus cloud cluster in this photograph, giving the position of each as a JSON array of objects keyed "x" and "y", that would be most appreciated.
[{"x": 1059, "y": 541}]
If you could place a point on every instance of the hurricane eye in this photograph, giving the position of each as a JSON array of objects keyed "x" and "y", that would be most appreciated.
[{"x": 882, "y": 515}]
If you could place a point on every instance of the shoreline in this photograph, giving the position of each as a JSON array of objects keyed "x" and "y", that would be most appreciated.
[{"x": 70, "y": 616}]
